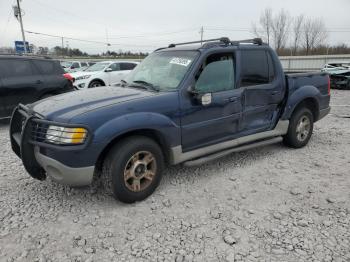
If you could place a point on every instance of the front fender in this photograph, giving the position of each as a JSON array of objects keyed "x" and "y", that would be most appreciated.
[
  {"x": 137, "y": 121},
  {"x": 302, "y": 93}
]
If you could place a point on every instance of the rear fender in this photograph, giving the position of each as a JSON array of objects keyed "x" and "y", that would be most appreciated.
[{"x": 302, "y": 93}]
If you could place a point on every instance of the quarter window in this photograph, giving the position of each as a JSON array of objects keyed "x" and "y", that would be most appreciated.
[
  {"x": 254, "y": 70},
  {"x": 48, "y": 67}
]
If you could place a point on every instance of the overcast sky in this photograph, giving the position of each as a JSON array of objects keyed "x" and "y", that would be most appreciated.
[{"x": 139, "y": 25}]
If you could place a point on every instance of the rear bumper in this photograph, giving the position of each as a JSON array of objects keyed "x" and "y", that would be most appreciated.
[
  {"x": 72, "y": 176},
  {"x": 324, "y": 112}
]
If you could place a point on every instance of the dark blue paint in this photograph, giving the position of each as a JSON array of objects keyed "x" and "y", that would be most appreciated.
[{"x": 179, "y": 119}]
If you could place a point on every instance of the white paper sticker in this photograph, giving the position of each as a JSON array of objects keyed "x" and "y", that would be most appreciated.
[{"x": 180, "y": 61}]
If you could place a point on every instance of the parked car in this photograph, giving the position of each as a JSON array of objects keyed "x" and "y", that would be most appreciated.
[
  {"x": 103, "y": 74},
  {"x": 185, "y": 105},
  {"x": 26, "y": 79},
  {"x": 75, "y": 66},
  {"x": 339, "y": 73}
]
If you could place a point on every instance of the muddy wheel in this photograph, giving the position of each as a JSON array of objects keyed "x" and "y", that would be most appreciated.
[
  {"x": 132, "y": 169},
  {"x": 300, "y": 128}
]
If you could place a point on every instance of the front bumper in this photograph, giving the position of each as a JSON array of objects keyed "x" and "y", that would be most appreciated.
[
  {"x": 73, "y": 176},
  {"x": 26, "y": 144}
]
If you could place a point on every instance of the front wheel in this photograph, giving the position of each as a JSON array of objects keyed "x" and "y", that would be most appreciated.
[
  {"x": 132, "y": 169},
  {"x": 95, "y": 83},
  {"x": 300, "y": 128}
]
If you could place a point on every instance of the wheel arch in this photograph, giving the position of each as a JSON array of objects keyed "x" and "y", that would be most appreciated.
[
  {"x": 153, "y": 134},
  {"x": 307, "y": 96}
]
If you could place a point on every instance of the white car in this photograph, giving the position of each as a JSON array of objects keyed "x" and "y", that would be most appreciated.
[
  {"x": 103, "y": 74},
  {"x": 74, "y": 66}
]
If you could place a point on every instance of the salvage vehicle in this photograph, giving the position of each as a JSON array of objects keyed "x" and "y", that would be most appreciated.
[
  {"x": 183, "y": 104},
  {"x": 339, "y": 73},
  {"x": 103, "y": 74},
  {"x": 26, "y": 79}
]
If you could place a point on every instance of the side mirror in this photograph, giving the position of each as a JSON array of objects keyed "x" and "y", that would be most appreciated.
[
  {"x": 108, "y": 70},
  {"x": 202, "y": 98}
]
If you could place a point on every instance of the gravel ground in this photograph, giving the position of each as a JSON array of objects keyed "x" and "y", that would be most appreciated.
[{"x": 266, "y": 204}]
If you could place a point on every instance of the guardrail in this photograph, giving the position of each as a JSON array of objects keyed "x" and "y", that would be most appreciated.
[{"x": 310, "y": 63}]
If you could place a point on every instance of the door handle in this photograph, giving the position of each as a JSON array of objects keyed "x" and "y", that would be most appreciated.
[
  {"x": 38, "y": 82},
  {"x": 233, "y": 99},
  {"x": 273, "y": 93}
]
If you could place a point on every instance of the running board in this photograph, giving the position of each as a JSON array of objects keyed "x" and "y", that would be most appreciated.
[{"x": 205, "y": 159}]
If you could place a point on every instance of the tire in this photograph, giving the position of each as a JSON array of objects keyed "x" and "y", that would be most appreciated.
[
  {"x": 128, "y": 158},
  {"x": 95, "y": 83},
  {"x": 300, "y": 128}
]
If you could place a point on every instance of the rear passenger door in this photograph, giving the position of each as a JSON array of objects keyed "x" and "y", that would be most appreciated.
[
  {"x": 52, "y": 72},
  {"x": 21, "y": 81},
  {"x": 262, "y": 91}
]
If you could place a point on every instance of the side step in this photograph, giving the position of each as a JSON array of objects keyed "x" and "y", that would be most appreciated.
[{"x": 214, "y": 156}]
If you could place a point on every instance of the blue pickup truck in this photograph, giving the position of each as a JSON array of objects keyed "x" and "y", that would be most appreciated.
[{"x": 185, "y": 103}]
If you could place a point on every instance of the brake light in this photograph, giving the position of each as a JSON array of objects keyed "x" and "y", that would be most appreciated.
[
  {"x": 69, "y": 77},
  {"x": 329, "y": 85}
]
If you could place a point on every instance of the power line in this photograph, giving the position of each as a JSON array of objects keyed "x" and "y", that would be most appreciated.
[{"x": 87, "y": 41}]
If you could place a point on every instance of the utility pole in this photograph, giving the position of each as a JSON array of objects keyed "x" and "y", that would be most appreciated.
[
  {"x": 201, "y": 32},
  {"x": 21, "y": 22}
]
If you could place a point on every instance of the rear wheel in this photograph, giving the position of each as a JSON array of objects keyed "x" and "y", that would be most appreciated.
[
  {"x": 300, "y": 128},
  {"x": 132, "y": 169}
]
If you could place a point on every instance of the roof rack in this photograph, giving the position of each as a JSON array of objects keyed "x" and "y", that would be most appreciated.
[{"x": 220, "y": 41}]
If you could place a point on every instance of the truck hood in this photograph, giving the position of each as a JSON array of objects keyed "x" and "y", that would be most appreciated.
[{"x": 63, "y": 107}]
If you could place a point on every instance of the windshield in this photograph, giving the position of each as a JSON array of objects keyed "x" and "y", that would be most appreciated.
[
  {"x": 97, "y": 67},
  {"x": 66, "y": 64},
  {"x": 164, "y": 70}
]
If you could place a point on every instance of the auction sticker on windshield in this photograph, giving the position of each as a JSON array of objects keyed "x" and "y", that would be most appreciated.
[{"x": 180, "y": 61}]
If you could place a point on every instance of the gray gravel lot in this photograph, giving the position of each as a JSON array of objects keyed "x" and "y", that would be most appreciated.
[{"x": 266, "y": 204}]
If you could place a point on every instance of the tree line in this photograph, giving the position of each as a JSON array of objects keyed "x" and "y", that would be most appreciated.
[{"x": 300, "y": 35}]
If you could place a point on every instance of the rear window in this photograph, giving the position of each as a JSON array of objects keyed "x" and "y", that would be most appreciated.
[
  {"x": 15, "y": 68},
  {"x": 127, "y": 66},
  {"x": 255, "y": 69},
  {"x": 48, "y": 67}
]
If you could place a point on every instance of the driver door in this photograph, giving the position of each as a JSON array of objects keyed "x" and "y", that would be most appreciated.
[
  {"x": 212, "y": 112},
  {"x": 115, "y": 75}
]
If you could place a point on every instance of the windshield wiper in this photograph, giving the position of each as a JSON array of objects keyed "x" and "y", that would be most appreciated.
[{"x": 147, "y": 85}]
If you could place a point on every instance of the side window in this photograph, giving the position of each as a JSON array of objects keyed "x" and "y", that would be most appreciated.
[
  {"x": 75, "y": 65},
  {"x": 271, "y": 67},
  {"x": 83, "y": 64},
  {"x": 217, "y": 74},
  {"x": 115, "y": 67},
  {"x": 16, "y": 68},
  {"x": 254, "y": 70},
  {"x": 46, "y": 67},
  {"x": 127, "y": 66}
]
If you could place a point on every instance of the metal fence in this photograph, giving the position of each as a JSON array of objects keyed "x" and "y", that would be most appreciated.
[{"x": 310, "y": 63}]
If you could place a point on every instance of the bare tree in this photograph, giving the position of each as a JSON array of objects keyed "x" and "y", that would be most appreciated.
[
  {"x": 314, "y": 34},
  {"x": 280, "y": 26},
  {"x": 297, "y": 31},
  {"x": 264, "y": 29}
]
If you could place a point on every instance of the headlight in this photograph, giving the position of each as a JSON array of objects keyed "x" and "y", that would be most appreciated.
[
  {"x": 82, "y": 77},
  {"x": 66, "y": 135}
]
